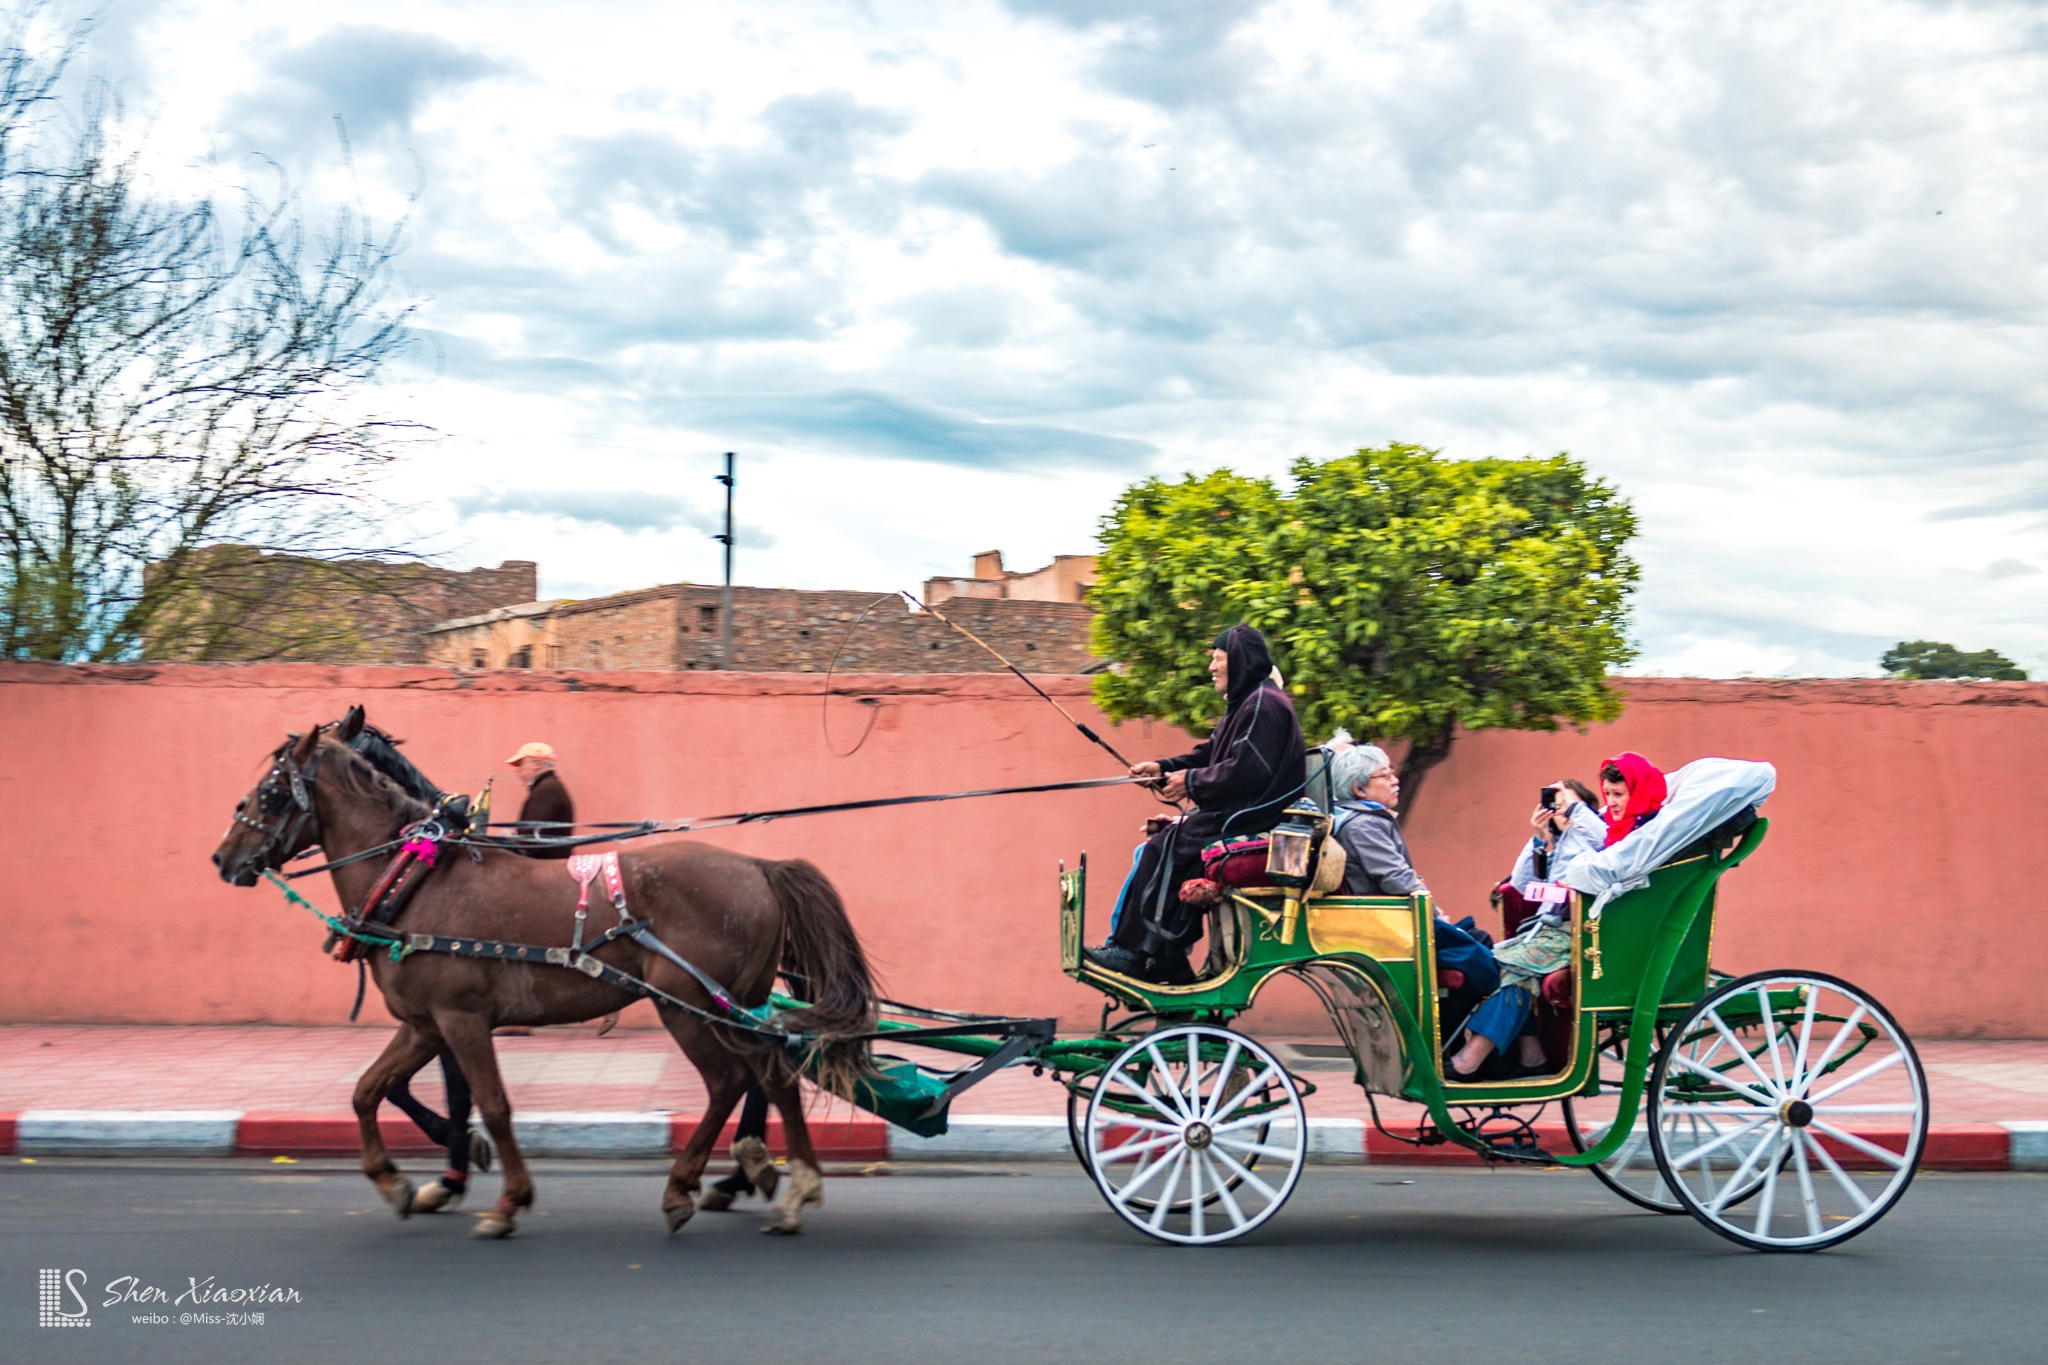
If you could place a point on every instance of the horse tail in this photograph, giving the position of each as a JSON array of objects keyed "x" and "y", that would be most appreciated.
[{"x": 822, "y": 956}]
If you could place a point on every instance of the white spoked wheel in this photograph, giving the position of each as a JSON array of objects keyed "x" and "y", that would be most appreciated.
[
  {"x": 1632, "y": 1171},
  {"x": 1817, "y": 1103},
  {"x": 1176, "y": 1124}
]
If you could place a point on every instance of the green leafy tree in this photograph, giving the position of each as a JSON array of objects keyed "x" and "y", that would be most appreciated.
[
  {"x": 1933, "y": 659},
  {"x": 1406, "y": 596}
]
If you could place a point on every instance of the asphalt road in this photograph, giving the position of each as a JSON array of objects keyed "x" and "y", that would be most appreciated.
[{"x": 985, "y": 1267}]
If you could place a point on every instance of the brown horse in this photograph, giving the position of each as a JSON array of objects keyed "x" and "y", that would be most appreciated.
[{"x": 738, "y": 919}]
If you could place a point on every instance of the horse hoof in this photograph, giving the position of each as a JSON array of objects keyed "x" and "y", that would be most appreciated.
[
  {"x": 787, "y": 1226},
  {"x": 437, "y": 1196},
  {"x": 490, "y": 1227},
  {"x": 714, "y": 1200},
  {"x": 752, "y": 1155},
  {"x": 678, "y": 1216},
  {"x": 399, "y": 1194},
  {"x": 480, "y": 1150}
]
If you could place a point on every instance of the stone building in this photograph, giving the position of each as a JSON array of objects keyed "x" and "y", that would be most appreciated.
[
  {"x": 235, "y": 602},
  {"x": 774, "y": 630},
  {"x": 1066, "y": 579},
  {"x": 1035, "y": 619}
]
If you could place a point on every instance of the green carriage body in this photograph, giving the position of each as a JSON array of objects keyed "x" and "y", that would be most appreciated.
[{"x": 1643, "y": 959}]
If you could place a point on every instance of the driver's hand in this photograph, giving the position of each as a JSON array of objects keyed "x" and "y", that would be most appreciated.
[
  {"x": 1145, "y": 769},
  {"x": 1175, "y": 787}
]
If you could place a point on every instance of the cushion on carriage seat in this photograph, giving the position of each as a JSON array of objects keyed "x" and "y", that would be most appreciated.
[{"x": 1450, "y": 979}]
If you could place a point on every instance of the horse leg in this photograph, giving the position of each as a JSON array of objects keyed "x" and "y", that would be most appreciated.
[
  {"x": 723, "y": 1090},
  {"x": 806, "y": 1182},
  {"x": 406, "y": 1053},
  {"x": 469, "y": 1038}
]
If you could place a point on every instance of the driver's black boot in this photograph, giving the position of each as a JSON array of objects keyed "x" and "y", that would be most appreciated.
[{"x": 1111, "y": 958}]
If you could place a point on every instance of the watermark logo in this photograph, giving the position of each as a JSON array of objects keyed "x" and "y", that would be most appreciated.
[{"x": 55, "y": 1291}]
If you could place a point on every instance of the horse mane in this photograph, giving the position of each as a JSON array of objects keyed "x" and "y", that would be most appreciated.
[
  {"x": 380, "y": 751},
  {"x": 358, "y": 776}
]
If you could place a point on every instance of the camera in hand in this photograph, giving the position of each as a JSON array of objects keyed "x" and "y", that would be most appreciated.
[{"x": 1550, "y": 798}]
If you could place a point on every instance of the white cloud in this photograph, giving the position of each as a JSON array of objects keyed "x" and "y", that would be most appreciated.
[{"x": 948, "y": 276}]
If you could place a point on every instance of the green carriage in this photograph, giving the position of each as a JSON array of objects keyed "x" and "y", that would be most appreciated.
[{"x": 1785, "y": 1110}]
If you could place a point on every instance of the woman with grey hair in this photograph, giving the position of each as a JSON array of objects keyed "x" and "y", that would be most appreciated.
[{"x": 1376, "y": 863}]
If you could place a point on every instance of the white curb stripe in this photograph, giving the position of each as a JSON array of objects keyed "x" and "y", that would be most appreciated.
[
  {"x": 572, "y": 1133},
  {"x": 135, "y": 1132},
  {"x": 2029, "y": 1139}
]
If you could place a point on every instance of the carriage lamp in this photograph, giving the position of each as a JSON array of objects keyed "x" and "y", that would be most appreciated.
[
  {"x": 1290, "y": 847},
  {"x": 1291, "y": 858}
]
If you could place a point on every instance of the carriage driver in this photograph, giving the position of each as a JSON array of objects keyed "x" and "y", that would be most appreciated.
[{"x": 1240, "y": 779}]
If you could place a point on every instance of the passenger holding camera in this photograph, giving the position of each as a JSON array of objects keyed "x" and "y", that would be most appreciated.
[{"x": 1567, "y": 824}]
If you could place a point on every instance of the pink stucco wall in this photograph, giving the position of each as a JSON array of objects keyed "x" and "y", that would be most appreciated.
[{"x": 1900, "y": 841}]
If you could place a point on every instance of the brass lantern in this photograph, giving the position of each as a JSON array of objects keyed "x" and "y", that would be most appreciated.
[{"x": 1291, "y": 849}]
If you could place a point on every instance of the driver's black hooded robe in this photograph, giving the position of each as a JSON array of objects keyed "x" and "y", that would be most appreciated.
[{"x": 1249, "y": 769}]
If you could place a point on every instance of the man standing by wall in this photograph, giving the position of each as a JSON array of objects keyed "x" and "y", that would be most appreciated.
[
  {"x": 547, "y": 800},
  {"x": 548, "y": 811}
]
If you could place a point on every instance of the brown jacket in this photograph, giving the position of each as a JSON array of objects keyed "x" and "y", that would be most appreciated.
[{"x": 547, "y": 799}]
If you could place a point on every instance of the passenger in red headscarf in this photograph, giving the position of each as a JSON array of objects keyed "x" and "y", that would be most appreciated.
[{"x": 1635, "y": 791}]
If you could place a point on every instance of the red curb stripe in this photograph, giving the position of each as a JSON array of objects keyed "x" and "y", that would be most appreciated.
[
  {"x": 7, "y": 1138},
  {"x": 838, "y": 1139}
]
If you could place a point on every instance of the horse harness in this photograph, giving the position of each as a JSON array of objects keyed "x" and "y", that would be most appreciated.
[{"x": 350, "y": 936}]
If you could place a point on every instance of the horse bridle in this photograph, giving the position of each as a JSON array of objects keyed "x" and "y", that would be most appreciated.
[{"x": 283, "y": 794}]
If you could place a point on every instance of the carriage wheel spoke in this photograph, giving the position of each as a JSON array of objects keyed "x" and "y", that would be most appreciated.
[
  {"x": 1235, "y": 1124},
  {"x": 1895, "y": 1160},
  {"x": 1229, "y": 1202},
  {"x": 1735, "y": 1182},
  {"x": 1770, "y": 1026},
  {"x": 1143, "y": 1176},
  {"x": 1259, "y": 1149},
  {"x": 1725, "y": 1081},
  {"x": 1246, "y": 1174},
  {"x": 1881, "y": 1064},
  {"x": 1769, "y": 1203},
  {"x": 1906, "y": 1107},
  {"x": 1139, "y": 1148},
  {"x": 1252, "y": 1089},
  {"x": 1165, "y": 1204},
  {"x": 1827, "y": 1055},
  {"x": 1806, "y": 1199},
  {"x": 1195, "y": 1211},
  {"x": 1146, "y": 1095},
  {"x": 1805, "y": 1036},
  {"x": 1841, "y": 1176},
  {"x": 1729, "y": 1108},
  {"x": 1708, "y": 1148},
  {"x": 1122, "y": 1120},
  {"x": 1747, "y": 1059},
  {"x": 1164, "y": 1076},
  {"x": 1222, "y": 1081}
]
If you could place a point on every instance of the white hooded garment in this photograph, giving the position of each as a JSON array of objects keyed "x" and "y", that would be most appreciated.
[{"x": 1701, "y": 795}]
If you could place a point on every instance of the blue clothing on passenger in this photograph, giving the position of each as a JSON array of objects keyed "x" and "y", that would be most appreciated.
[
  {"x": 1586, "y": 833},
  {"x": 1459, "y": 951},
  {"x": 1503, "y": 1015}
]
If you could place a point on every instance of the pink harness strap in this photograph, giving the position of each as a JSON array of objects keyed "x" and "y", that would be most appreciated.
[{"x": 587, "y": 867}]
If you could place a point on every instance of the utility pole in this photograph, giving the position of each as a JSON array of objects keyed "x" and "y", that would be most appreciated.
[{"x": 725, "y": 598}]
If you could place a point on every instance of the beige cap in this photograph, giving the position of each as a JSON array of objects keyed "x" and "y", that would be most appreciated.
[{"x": 534, "y": 750}]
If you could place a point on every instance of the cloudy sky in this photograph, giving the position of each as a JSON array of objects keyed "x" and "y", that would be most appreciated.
[{"x": 949, "y": 276}]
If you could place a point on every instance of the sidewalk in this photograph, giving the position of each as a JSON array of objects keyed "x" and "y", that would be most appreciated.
[{"x": 265, "y": 1089}]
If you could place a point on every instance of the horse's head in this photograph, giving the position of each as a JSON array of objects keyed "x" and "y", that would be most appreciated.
[{"x": 276, "y": 821}]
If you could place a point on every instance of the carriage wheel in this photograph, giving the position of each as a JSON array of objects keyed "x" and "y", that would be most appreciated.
[
  {"x": 1632, "y": 1171},
  {"x": 1787, "y": 1064},
  {"x": 1176, "y": 1124},
  {"x": 1077, "y": 1117}
]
